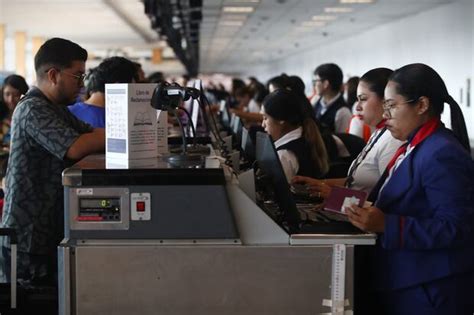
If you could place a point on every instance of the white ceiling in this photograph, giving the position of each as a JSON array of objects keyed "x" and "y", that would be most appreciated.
[
  {"x": 275, "y": 29},
  {"x": 272, "y": 31}
]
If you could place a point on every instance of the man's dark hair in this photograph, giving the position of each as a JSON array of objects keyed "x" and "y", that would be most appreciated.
[
  {"x": 58, "y": 53},
  {"x": 332, "y": 73},
  {"x": 111, "y": 70}
]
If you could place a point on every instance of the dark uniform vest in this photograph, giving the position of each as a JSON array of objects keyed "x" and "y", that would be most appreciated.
[
  {"x": 300, "y": 149},
  {"x": 329, "y": 116}
]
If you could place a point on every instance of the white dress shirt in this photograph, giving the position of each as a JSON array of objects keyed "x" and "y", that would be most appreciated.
[
  {"x": 253, "y": 107},
  {"x": 288, "y": 159},
  {"x": 372, "y": 167}
]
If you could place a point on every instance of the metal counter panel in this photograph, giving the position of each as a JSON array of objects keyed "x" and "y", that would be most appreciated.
[{"x": 204, "y": 280}]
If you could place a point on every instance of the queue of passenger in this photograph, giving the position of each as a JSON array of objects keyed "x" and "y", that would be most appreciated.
[{"x": 13, "y": 88}]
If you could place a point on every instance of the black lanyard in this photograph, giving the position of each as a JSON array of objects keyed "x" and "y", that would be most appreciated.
[{"x": 360, "y": 158}]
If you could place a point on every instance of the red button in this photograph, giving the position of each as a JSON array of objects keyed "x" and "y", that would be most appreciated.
[{"x": 140, "y": 206}]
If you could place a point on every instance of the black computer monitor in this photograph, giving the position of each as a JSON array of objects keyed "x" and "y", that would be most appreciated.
[
  {"x": 192, "y": 108},
  {"x": 270, "y": 164},
  {"x": 225, "y": 114},
  {"x": 247, "y": 146},
  {"x": 237, "y": 130}
]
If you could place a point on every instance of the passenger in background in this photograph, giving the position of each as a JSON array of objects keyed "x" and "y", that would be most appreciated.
[
  {"x": 3, "y": 172},
  {"x": 183, "y": 80},
  {"x": 298, "y": 141},
  {"x": 331, "y": 109},
  {"x": 46, "y": 138},
  {"x": 369, "y": 166},
  {"x": 111, "y": 70},
  {"x": 140, "y": 73},
  {"x": 14, "y": 87},
  {"x": 423, "y": 212},
  {"x": 156, "y": 77}
]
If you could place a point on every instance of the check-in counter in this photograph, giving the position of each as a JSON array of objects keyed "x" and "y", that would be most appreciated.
[{"x": 184, "y": 241}]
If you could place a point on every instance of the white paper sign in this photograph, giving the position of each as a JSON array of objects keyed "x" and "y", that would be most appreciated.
[{"x": 130, "y": 122}]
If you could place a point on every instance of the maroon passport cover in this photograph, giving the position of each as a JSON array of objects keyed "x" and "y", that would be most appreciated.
[{"x": 341, "y": 196}]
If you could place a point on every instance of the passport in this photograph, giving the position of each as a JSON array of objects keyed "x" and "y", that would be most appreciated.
[{"x": 341, "y": 197}]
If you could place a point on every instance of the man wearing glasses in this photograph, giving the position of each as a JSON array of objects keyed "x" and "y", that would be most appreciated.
[
  {"x": 46, "y": 138},
  {"x": 331, "y": 109}
]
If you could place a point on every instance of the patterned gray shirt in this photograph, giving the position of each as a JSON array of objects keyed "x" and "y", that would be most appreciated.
[{"x": 34, "y": 201}]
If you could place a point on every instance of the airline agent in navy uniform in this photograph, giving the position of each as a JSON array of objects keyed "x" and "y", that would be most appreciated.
[{"x": 424, "y": 209}]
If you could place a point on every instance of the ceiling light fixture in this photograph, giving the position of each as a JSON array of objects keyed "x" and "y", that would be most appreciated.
[
  {"x": 324, "y": 18},
  {"x": 243, "y": 1},
  {"x": 234, "y": 17},
  {"x": 302, "y": 29},
  {"x": 338, "y": 10},
  {"x": 313, "y": 23},
  {"x": 356, "y": 1},
  {"x": 238, "y": 9},
  {"x": 231, "y": 23}
]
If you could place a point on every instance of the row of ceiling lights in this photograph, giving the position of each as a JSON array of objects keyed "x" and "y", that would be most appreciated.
[
  {"x": 236, "y": 15},
  {"x": 329, "y": 16},
  {"x": 240, "y": 13}
]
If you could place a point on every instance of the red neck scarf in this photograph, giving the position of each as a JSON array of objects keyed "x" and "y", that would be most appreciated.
[
  {"x": 381, "y": 124},
  {"x": 425, "y": 131}
]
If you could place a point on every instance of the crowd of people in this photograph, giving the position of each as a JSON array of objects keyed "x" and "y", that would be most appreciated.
[{"x": 380, "y": 133}]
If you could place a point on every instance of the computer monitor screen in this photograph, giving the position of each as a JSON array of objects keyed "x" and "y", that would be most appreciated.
[
  {"x": 188, "y": 105},
  {"x": 270, "y": 164},
  {"x": 196, "y": 108},
  {"x": 247, "y": 145},
  {"x": 237, "y": 130},
  {"x": 225, "y": 114}
]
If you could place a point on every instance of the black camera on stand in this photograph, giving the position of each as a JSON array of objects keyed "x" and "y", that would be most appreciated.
[{"x": 169, "y": 97}]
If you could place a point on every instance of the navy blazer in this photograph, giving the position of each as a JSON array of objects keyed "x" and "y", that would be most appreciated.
[{"x": 429, "y": 215}]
